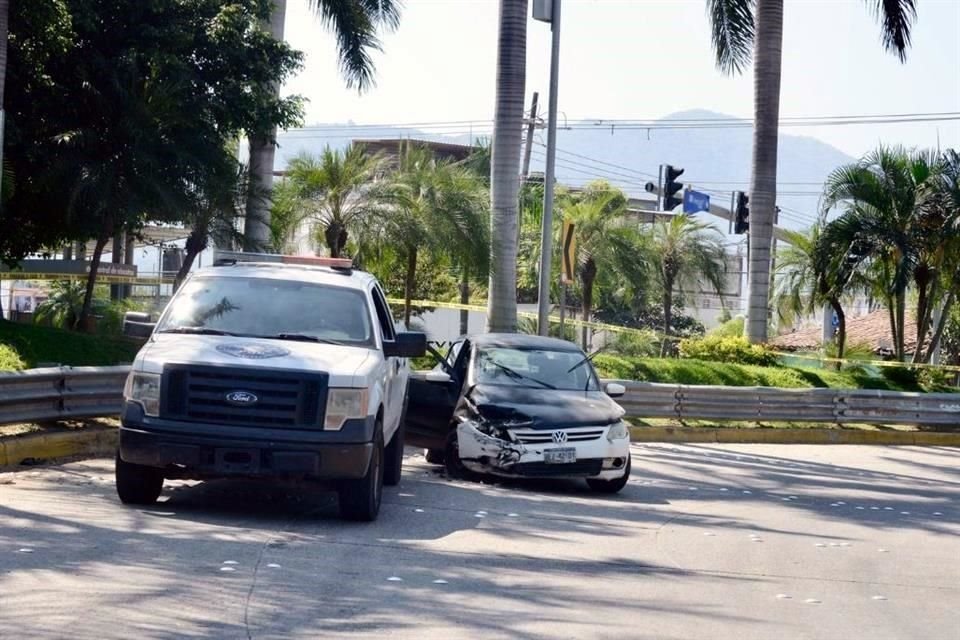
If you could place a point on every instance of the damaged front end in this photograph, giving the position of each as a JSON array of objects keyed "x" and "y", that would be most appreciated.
[{"x": 486, "y": 446}]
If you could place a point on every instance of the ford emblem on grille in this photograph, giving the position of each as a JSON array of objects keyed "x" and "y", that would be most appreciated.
[
  {"x": 241, "y": 398},
  {"x": 559, "y": 437}
]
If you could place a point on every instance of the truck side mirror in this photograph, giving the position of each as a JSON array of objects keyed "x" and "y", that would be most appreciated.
[
  {"x": 409, "y": 344},
  {"x": 137, "y": 324}
]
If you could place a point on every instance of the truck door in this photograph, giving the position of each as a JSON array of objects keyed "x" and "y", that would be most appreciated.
[{"x": 396, "y": 383}]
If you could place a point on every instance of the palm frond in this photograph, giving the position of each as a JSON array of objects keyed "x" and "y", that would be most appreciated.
[
  {"x": 355, "y": 24},
  {"x": 732, "y": 33},
  {"x": 896, "y": 20}
]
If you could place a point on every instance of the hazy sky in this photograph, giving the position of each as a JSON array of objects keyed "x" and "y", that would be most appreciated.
[{"x": 645, "y": 59}]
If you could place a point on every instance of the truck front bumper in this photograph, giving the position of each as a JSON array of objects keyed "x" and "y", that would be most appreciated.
[{"x": 197, "y": 450}]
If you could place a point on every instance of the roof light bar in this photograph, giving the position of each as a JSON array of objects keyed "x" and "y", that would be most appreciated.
[{"x": 234, "y": 257}]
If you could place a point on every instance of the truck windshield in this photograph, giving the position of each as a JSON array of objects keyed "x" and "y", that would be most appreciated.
[
  {"x": 534, "y": 368},
  {"x": 269, "y": 308}
]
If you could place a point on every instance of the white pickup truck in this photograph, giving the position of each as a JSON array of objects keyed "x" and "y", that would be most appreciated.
[{"x": 269, "y": 366}]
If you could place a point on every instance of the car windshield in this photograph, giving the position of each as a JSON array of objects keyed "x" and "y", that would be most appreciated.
[
  {"x": 541, "y": 368},
  {"x": 269, "y": 308}
]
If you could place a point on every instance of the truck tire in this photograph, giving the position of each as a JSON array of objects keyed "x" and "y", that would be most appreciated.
[
  {"x": 393, "y": 458},
  {"x": 137, "y": 484},
  {"x": 360, "y": 499},
  {"x": 610, "y": 486}
]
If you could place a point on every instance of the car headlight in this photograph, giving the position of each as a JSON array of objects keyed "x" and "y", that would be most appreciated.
[
  {"x": 343, "y": 405},
  {"x": 144, "y": 389},
  {"x": 618, "y": 431}
]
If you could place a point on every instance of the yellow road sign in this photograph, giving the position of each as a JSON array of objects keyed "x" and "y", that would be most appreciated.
[{"x": 569, "y": 243}]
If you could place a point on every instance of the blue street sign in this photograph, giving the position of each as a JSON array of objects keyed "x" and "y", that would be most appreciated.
[{"x": 694, "y": 201}]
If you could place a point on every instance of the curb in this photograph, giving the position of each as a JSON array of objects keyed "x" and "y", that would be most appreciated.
[
  {"x": 63, "y": 444},
  {"x": 722, "y": 435}
]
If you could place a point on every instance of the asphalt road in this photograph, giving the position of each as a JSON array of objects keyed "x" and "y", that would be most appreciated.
[{"x": 707, "y": 541}]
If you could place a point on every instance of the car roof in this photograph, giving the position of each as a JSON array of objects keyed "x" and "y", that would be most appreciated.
[
  {"x": 522, "y": 341},
  {"x": 352, "y": 279}
]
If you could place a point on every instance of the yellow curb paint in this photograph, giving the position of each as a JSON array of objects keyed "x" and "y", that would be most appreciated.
[
  {"x": 47, "y": 446},
  {"x": 792, "y": 436}
]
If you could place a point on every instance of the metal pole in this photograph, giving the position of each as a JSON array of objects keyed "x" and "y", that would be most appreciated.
[
  {"x": 531, "y": 126},
  {"x": 546, "y": 237},
  {"x": 563, "y": 308}
]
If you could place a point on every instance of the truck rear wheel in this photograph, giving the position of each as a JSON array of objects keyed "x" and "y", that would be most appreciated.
[
  {"x": 360, "y": 499},
  {"x": 137, "y": 484}
]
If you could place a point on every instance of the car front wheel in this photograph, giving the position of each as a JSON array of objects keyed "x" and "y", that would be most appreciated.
[{"x": 610, "y": 486}]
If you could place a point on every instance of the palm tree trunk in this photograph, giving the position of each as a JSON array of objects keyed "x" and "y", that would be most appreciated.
[
  {"x": 841, "y": 327},
  {"x": 505, "y": 165},
  {"x": 92, "y": 276},
  {"x": 926, "y": 295},
  {"x": 767, "y": 54},
  {"x": 588, "y": 274},
  {"x": 464, "y": 299},
  {"x": 4, "y": 28},
  {"x": 263, "y": 147},
  {"x": 901, "y": 320},
  {"x": 667, "y": 306},
  {"x": 409, "y": 284},
  {"x": 196, "y": 242},
  {"x": 891, "y": 311},
  {"x": 941, "y": 325}
]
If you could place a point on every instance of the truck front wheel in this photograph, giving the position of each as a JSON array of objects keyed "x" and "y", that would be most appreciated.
[
  {"x": 137, "y": 484},
  {"x": 360, "y": 499}
]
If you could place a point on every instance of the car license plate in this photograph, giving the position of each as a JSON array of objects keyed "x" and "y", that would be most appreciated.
[{"x": 560, "y": 456}]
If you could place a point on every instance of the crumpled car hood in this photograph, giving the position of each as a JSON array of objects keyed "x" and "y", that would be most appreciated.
[{"x": 545, "y": 408}]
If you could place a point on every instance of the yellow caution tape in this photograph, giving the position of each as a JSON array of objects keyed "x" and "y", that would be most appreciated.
[{"x": 873, "y": 363}]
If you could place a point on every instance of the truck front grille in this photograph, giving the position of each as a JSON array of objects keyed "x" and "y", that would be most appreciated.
[{"x": 284, "y": 399}]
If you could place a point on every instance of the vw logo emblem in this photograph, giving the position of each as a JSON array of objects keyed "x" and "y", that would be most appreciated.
[
  {"x": 559, "y": 437},
  {"x": 241, "y": 398}
]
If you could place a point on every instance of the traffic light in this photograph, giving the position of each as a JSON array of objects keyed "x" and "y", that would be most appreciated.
[
  {"x": 742, "y": 214},
  {"x": 671, "y": 187}
]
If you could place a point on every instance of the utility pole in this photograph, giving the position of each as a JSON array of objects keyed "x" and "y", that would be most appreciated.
[
  {"x": 546, "y": 237},
  {"x": 531, "y": 126}
]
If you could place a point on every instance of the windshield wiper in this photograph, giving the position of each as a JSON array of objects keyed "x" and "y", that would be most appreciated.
[
  {"x": 586, "y": 359},
  {"x": 301, "y": 337},
  {"x": 516, "y": 375},
  {"x": 200, "y": 331}
]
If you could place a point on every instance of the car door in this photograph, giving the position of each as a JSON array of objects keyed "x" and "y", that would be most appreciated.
[
  {"x": 395, "y": 374},
  {"x": 431, "y": 402}
]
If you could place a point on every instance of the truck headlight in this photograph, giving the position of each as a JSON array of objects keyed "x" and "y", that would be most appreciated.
[
  {"x": 144, "y": 389},
  {"x": 618, "y": 431},
  {"x": 343, "y": 405}
]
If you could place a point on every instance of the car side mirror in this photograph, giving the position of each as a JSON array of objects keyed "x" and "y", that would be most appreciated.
[
  {"x": 615, "y": 389},
  {"x": 137, "y": 324},
  {"x": 408, "y": 344},
  {"x": 440, "y": 377}
]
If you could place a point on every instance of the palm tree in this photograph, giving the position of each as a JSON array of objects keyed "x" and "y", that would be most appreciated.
[
  {"x": 505, "y": 165},
  {"x": 603, "y": 241},
  {"x": 337, "y": 190},
  {"x": 63, "y": 306},
  {"x": 816, "y": 268},
  {"x": 742, "y": 29},
  {"x": 946, "y": 199},
  {"x": 436, "y": 207},
  {"x": 355, "y": 23},
  {"x": 687, "y": 254},
  {"x": 882, "y": 197}
]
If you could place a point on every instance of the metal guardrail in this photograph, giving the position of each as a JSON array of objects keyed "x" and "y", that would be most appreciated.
[
  {"x": 764, "y": 404},
  {"x": 59, "y": 393}
]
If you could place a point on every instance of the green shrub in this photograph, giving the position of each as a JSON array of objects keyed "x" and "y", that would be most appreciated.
[
  {"x": 111, "y": 315},
  {"x": 727, "y": 349},
  {"x": 643, "y": 343},
  {"x": 9, "y": 359},
  {"x": 902, "y": 376},
  {"x": 732, "y": 328},
  {"x": 936, "y": 378}
]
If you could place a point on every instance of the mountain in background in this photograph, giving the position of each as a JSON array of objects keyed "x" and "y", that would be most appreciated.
[{"x": 716, "y": 160}]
